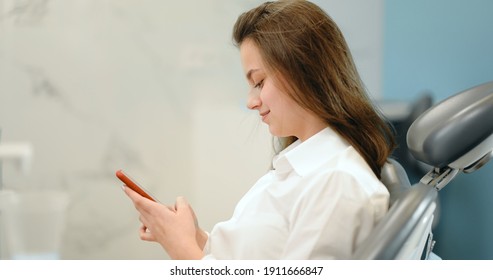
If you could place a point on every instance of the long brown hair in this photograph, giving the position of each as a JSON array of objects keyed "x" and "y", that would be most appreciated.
[{"x": 308, "y": 55}]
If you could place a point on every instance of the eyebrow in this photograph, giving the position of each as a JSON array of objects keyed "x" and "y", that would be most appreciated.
[{"x": 249, "y": 74}]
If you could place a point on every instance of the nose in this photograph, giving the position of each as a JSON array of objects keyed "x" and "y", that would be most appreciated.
[{"x": 254, "y": 101}]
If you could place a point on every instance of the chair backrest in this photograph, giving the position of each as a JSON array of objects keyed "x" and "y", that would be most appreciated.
[
  {"x": 455, "y": 135},
  {"x": 394, "y": 177},
  {"x": 423, "y": 103}
]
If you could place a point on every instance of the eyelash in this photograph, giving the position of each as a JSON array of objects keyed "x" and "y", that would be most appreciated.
[{"x": 259, "y": 84}]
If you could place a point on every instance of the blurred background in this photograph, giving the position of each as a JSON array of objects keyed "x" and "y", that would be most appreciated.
[{"x": 156, "y": 88}]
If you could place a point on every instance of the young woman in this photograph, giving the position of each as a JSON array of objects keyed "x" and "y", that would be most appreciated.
[{"x": 323, "y": 195}]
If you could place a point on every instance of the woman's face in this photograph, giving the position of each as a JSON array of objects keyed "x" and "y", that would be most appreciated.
[{"x": 279, "y": 111}]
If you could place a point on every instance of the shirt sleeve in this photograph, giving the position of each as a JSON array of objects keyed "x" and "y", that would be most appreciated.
[{"x": 332, "y": 216}]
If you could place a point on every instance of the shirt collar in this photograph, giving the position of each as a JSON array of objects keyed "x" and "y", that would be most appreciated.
[{"x": 303, "y": 157}]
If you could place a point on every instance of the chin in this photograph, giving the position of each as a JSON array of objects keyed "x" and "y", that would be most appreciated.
[{"x": 275, "y": 132}]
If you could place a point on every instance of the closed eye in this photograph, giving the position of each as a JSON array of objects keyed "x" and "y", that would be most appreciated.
[{"x": 259, "y": 85}]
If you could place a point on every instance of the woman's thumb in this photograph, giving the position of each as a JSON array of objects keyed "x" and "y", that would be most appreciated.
[{"x": 181, "y": 203}]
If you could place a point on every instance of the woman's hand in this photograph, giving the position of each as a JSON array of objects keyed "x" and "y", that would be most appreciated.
[{"x": 175, "y": 228}]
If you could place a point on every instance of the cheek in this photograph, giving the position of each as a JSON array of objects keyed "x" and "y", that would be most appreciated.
[{"x": 271, "y": 96}]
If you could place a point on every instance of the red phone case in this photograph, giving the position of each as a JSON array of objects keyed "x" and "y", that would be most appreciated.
[{"x": 133, "y": 185}]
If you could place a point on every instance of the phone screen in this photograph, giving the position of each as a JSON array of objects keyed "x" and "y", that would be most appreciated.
[{"x": 134, "y": 185}]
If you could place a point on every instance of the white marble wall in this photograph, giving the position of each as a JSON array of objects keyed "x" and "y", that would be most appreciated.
[{"x": 154, "y": 87}]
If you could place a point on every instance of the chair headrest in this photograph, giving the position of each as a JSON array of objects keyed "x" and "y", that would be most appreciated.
[{"x": 457, "y": 131}]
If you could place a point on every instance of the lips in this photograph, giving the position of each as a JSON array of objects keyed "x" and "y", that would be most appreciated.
[{"x": 263, "y": 115}]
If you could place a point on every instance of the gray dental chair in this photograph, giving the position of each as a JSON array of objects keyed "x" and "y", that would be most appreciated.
[{"x": 453, "y": 136}]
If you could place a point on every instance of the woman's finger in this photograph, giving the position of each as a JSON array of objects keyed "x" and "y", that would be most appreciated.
[
  {"x": 146, "y": 234},
  {"x": 141, "y": 203}
]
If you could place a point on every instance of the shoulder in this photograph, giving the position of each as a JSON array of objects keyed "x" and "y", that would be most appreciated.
[{"x": 348, "y": 175}]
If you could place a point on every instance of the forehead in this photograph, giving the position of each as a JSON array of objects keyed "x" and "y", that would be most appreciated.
[{"x": 250, "y": 56}]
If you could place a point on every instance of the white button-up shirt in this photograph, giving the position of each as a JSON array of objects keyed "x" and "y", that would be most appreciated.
[{"x": 319, "y": 202}]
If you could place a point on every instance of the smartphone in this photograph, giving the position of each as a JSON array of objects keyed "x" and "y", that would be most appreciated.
[{"x": 129, "y": 182}]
